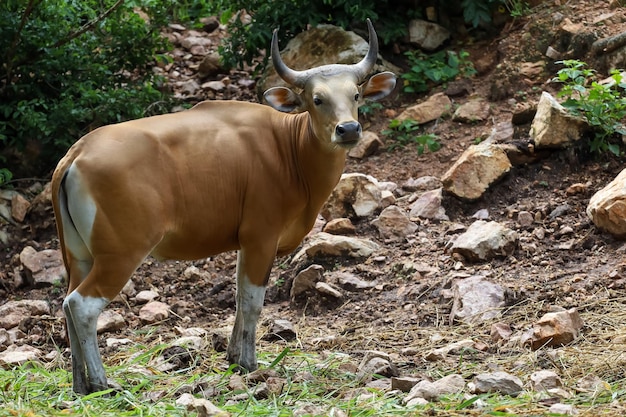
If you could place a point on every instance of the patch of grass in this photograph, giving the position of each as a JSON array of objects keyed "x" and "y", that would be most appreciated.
[{"x": 323, "y": 384}]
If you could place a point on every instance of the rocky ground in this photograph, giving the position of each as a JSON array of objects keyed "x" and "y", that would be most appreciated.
[{"x": 404, "y": 298}]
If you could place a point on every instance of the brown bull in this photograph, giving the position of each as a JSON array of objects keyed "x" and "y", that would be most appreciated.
[{"x": 221, "y": 176}]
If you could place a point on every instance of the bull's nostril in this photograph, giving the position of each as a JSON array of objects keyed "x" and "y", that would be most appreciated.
[{"x": 341, "y": 130}]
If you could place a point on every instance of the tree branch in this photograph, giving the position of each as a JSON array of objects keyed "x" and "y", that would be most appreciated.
[{"x": 88, "y": 26}]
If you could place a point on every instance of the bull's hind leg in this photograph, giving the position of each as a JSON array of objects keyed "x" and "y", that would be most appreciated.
[
  {"x": 82, "y": 308},
  {"x": 96, "y": 274}
]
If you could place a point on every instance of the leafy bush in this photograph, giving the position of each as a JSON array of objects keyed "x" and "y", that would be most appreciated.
[
  {"x": 602, "y": 105},
  {"x": 438, "y": 68},
  {"x": 404, "y": 133},
  {"x": 70, "y": 67}
]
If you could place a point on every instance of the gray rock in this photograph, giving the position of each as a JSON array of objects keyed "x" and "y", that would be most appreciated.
[
  {"x": 341, "y": 226},
  {"x": 281, "y": 329},
  {"x": 13, "y": 312},
  {"x": 18, "y": 355},
  {"x": 351, "y": 282},
  {"x": 356, "y": 195},
  {"x": 428, "y": 206},
  {"x": 325, "y": 245},
  {"x": 403, "y": 383},
  {"x": 427, "y": 35},
  {"x": 425, "y": 183},
  {"x": 375, "y": 362},
  {"x": 154, "y": 311},
  {"x": 394, "y": 225},
  {"x": 476, "y": 300},
  {"x": 110, "y": 320},
  {"x": 42, "y": 268},
  {"x": 306, "y": 280},
  {"x": 500, "y": 332},
  {"x": 146, "y": 296},
  {"x": 476, "y": 110},
  {"x": 328, "y": 289},
  {"x": 485, "y": 240},
  {"x": 501, "y": 382},
  {"x": 431, "y": 391},
  {"x": 544, "y": 380}
]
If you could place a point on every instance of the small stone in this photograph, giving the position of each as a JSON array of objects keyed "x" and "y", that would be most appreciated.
[
  {"x": 563, "y": 409},
  {"x": 404, "y": 384},
  {"x": 12, "y": 313},
  {"x": 545, "y": 380},
  {"x": 189, "y": 342},
  {"x": 154, "y": 311},
  {"x": 368, "y": 145},
  {"x": 110, "y": 320},
  {"x": 18, "y": 355},
  {"x": 525, "y": 218},
  {"x": 341, "y": 226},
  {"x": 42, "y": 268},
  {"x": 306, "y": 280},
  {"x": 375, "y": 362},
  {"x": 146, "y": 296},
  {"x": 19, "y": 207},
  {"x": 327, "y": 289},
  {"x": 500, "y": 332},
  {"x": 501, "y": 382},
  {"x": 431, "y": 391},
  {"x": 556, "y": 329},
  {"x": 394, "y": 225},
  {"x": 281, "y": 330},
  {"x": 428, "y": 206}
]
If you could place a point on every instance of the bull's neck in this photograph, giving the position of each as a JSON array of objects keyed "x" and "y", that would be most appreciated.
[{"x": 319, "y": 167}]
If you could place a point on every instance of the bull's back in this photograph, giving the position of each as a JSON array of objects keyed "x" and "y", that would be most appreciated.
[{"x": 184, "y": 177}]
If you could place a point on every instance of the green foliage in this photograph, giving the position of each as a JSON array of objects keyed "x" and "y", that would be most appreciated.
[
  {"x": 477, "y": 11},
  {"x": 5, "y": 176},
  {"x": 602, "y": 105},
  {"x": 405, "y": 132},
  {"x": 438, "y": 68},
  {"x": 517, "y": 8},
  {"x": 246, "y": 39},
  {"x": 70, "y": 67}
]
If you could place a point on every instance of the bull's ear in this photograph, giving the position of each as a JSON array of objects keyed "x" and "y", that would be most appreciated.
[
  {"x": 282, "y": 99},
  {"x": 378, "y": 86}
]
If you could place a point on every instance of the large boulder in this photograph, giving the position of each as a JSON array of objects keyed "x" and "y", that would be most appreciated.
[
  {"x": 607, "y": 207},
  {"x": 480, "y": 166},
  {"x": 322, "y": 45},
  {"x": 553, "y": 126}
]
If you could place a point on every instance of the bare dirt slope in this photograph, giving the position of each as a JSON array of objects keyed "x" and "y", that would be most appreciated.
[{"x": 582, "y": 268}]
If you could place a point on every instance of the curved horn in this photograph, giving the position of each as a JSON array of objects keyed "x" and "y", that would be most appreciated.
[
  {"x": 363, "y": 68},
  {"x": 296, "y": 78},
  {"x": 299, "y": 78}
]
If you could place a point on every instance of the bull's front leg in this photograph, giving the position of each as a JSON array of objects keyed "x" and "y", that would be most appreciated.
[{"x": 252, "y": 273}]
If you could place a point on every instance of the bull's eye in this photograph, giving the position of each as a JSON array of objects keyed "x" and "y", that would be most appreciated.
[
  {"x": 356, "y": 97},
  {"x": 317, "y": 101}
]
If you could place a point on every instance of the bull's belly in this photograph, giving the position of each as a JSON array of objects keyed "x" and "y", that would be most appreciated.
[{"x": 189, "y": 248}]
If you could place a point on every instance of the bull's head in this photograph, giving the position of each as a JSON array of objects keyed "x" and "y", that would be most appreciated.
[{"x": 331, "y": 94}]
